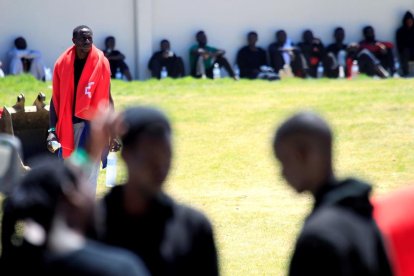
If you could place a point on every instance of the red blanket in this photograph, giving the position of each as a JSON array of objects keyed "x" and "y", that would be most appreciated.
[{"x": 93, "y": 90}]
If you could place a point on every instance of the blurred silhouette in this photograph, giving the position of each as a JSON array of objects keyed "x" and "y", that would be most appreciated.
[
  {"x": 171, "y": 239},
  {"x": 48, "y": 214},
  {"x": 405, "y": 42},
  {"x": 339, "y": 237}
]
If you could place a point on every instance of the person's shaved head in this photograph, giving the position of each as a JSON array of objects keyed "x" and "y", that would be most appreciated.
[
  {"x": 305, "y": 128},
  {"x": 303, "y": 145}
]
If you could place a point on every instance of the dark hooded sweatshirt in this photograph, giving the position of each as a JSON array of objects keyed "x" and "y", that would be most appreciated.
[
  {"x": 340, "y": 237},
  {"x": 405, "y": 35}
]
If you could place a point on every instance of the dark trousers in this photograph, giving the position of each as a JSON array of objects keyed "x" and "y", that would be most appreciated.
[
  {"x": 174, "y": 66},
  {"x": 406, "y": 56},
  {"x": 372, "y": 65},
  {"x": 296, "y": 63}
]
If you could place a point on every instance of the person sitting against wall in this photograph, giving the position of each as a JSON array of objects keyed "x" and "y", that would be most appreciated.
[
  {"x": 405, "y": 42},
  {"x": 251, "y": 59},
  {"x": 283, "y": 53},
  {"x": 375, "y": 57},
  {"x": 313, "y": 52},
  {"x": 24, "y": 60},
  {"x": 116, "y": 60},
  {"x": 204, "y": 57},
  {"x": 337, "y": 58},
  {"x": 166, "y": 63}
]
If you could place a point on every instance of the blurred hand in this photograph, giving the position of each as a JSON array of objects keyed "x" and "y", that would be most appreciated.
[
  {"x": 106, "y": 125},
  {"x": 50, "y": 138}
]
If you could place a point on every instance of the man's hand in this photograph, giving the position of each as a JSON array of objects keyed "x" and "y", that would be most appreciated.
[
  {"x": 52, "y": 141},
  {"x": 106, "y": 125}
]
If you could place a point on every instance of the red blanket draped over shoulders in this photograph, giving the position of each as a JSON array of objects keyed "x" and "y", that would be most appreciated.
[{"x": 93, "y": 90}]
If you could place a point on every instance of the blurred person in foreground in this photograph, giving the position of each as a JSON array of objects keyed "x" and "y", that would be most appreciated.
[
  {"x": 171, "y": 239},
  {"x": 339, "y": 237},
  {"x": 51, "y": 210}
]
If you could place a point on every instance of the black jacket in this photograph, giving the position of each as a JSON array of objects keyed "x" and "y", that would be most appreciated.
[
  {"x": 405, "y": 35},
  {"x": 340, "y": 237},
  {"x": 170, "y": 238}
]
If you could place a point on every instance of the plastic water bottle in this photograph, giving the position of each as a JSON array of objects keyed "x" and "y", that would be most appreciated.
[
  {"x": 111, "y": 169},
  {"x": 164, "y": 72},
  {"x": 354, "y": 69},
  {"x": 236, "y": 71},
  {"x": 48, "y": 74},
  {"x": 118, "y": 74},
  {"x": 216, "y": 71},
  {"x": 341, "y": 72},
  {"x": 320, "y": 70}
]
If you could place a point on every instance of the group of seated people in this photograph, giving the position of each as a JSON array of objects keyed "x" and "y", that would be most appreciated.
[{"x": 306, "y": 59}]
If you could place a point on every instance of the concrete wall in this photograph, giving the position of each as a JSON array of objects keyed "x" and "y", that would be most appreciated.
[{"x": 139, "y": 25}]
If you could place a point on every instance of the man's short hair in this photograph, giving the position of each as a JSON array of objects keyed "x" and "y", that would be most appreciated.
[
  {"x": 109, "y": 38},
  {"x": 144, "y": 121},
  {"x": 305, "y": 124},
  {"x": 199, "y": 33},
  {"x": 164, "y": 41},
  {"x": 366, "y": 28},
  {"x": 78, "y": 28},
  {"x": 252, "y": 33}
]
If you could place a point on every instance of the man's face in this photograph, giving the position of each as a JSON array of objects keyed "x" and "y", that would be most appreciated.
[
  {"x": 252, "y": 39},
  {"x": 292, "y": 166},
  {"x": 308, "y": 37},
  {"x": 339, "y": 35},
  {"x": 409, "y": 22},
  {"x": 165, "y": 46},
  {"x": 370, "y": 34},
  {"x": 110, "y": 44},
  {"x": 281, "y": 37},
  {"x": 21, "y": 43},
  {"x": 149, "y": 162},
  {"x": 202, "y": 39},
  {"x": 83, "y": 40}
]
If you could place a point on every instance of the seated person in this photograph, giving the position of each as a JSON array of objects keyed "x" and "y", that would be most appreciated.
[
  {"x": 405, "y": 42},
  {"x": 336, "y": 59},
  {"x": 166, "y": 58},
  {"x": 313, "y": 52},
  {"x": 375, "y": 57},
  {"x": 24, "y": 60},
  {"x": 116, "y": 60},
  {"x": 250, "y": 58},
  {"x": 283, "y": 52},
  {"x": 203, "y": 57}
]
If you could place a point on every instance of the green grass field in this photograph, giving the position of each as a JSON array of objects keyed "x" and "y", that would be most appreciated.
[{"x": 223, "y": 162}]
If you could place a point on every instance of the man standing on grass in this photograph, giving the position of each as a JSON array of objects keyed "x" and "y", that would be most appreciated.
[
  {"x": 170, "y": 238},
  {"x": 81, "y": 83},
  {"x": 339, "y": 237}
]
